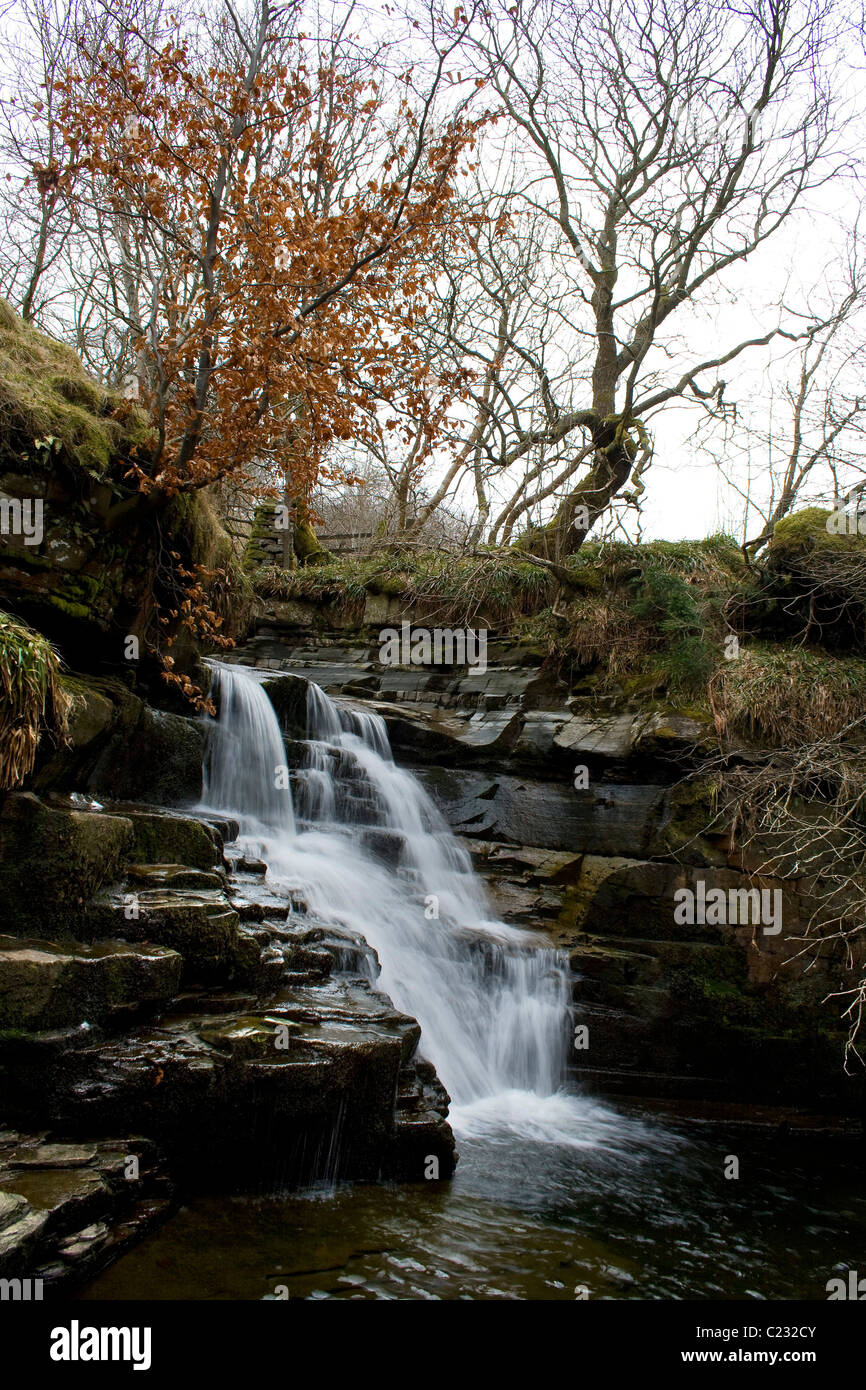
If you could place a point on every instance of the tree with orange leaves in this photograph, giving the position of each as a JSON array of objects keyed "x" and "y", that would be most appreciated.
[{"x": 274, "y": 217}]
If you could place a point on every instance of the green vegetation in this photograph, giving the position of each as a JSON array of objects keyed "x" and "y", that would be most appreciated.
[
  {"x": 500, "y": 586},
  {"x": 49, "y": 406},
  {"x": 651, "y": 611},
  {"x": 31, "y": 699}
]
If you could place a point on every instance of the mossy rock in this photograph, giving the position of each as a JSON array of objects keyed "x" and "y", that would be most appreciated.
[
  {"x": 158, "y": 761},
  {"x": 692, "y": 830},
  {"x": 199, "y": 924},
  {"x": 53, "y": 861},
  {"x": 798, "y": 535},
  {"x": 49, "y": 405},
  {"x": 45, "y": 984},
  {"x": 167, "y": 839}
]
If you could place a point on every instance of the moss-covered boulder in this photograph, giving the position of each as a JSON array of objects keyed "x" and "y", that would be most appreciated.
[
  {"x": 160, "y": 838},
  {"x": 814, "y": 585},
  {"x": 52, "y": 861},
  {"x": 45, "y": 984}
]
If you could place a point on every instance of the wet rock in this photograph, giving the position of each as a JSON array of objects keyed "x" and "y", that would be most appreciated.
[
  {"x": 47, "y": 985},
  {"x": 605, "y": 819},
  {"x": 66, "y": 1208},
  {"x": 159, "y": 760},
  {"x": 21, "y": 1231},
  {"x": 173, "y": 876},
  {"x": 288, "y": 695},
  {"x": 52, "y": 861},
  {"x": 252, "y": 866},
  {"x": 199, "y": 924},
  {"x": 162, "y": 838},
  {"x": 309, "y": 1064}
]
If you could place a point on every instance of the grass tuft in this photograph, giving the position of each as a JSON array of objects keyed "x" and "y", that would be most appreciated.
[{"x": 31, "y": 699}]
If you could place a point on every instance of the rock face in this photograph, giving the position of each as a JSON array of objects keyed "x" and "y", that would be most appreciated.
[
  {"x": 67, "y": 1210},
  {"x": 123, "y": 750},
  {"x": 593, "y": 862},
  {"x": 169, "y": 993}
]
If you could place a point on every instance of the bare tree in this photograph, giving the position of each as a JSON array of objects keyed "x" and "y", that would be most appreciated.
[
  {"x": 666, "y": 142},
  {"x": 804, "y": 439}
]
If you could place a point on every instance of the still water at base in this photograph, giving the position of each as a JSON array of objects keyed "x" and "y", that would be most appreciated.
[{"x": 532, "y": 1222}]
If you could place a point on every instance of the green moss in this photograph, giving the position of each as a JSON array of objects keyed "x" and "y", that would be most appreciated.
[
  {"x": 803, "y": 532},
  {"x": 49, "y": 405},
  {"x": 71, "y": 609}
]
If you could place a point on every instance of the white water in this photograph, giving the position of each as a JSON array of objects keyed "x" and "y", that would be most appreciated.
[{"x": 493, "y": 1005}]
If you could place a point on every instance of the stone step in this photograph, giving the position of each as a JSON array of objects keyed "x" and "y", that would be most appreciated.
[
  {"x": 46, "y": 984},
  {"x": 68, "y": 1208},
  {"x": 52, "y": 860},
  {"x": 173, "y": 876},
  {"x": 165, "y": 837},
  {"x": 198, "y": 923}
]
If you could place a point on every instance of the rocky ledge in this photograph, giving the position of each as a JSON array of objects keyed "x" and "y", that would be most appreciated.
[
  {"x": 69, "y": 1209},
  {"x": 685, "y": 1014},
  {"x": 150, "y": 983}
]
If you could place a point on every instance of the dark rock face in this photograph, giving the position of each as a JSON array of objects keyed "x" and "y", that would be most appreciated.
[
  {"x": 159, "y": 760},
  {"x": 288, "y": 695},
  {"x": 46, "y": 986},
  {"x": 675, "y": 1011},
  {"x": 122, "y": 749},
  {"x": 610, "y": 818},
  {"x": 67, "y": 1210}
]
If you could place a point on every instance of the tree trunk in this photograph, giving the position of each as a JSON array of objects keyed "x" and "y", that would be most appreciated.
[{"x": 566, "y": 532}]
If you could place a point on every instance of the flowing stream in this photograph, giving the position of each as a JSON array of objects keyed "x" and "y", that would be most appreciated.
[
  {"x": 555, "y": 1194},
  {"x": 367, "y": 849}
]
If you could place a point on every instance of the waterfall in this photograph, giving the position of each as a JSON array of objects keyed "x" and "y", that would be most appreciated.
[
  {"x": 368, "y": 850},
  {"x": 245, "y": 759}
]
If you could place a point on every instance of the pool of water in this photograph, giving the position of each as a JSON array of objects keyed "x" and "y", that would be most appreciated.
[{"x": 637, "y": 1209}]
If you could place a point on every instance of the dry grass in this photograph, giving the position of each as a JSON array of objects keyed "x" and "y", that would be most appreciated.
[
  {"x": 31, "y": 699},
  {"x": 789, "y": 695}
]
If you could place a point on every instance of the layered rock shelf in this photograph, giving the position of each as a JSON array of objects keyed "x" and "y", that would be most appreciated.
[
  {"x": 707, "y": 1015},
  {"x": 178, "y": 999}
]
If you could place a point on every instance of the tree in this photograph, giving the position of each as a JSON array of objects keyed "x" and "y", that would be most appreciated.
[
  {"x": 274, "y": 279},
  {"x": 809, "y": 435},
  {"x": 666, "y": 141}
]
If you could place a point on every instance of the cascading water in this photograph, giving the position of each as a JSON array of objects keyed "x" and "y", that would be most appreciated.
[
  {"x": 245, "y": 749},
  {"x": 369, "y": 851}
]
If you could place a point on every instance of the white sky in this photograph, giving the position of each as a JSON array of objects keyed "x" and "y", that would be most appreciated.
[{"x": 685, "y": 494}]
